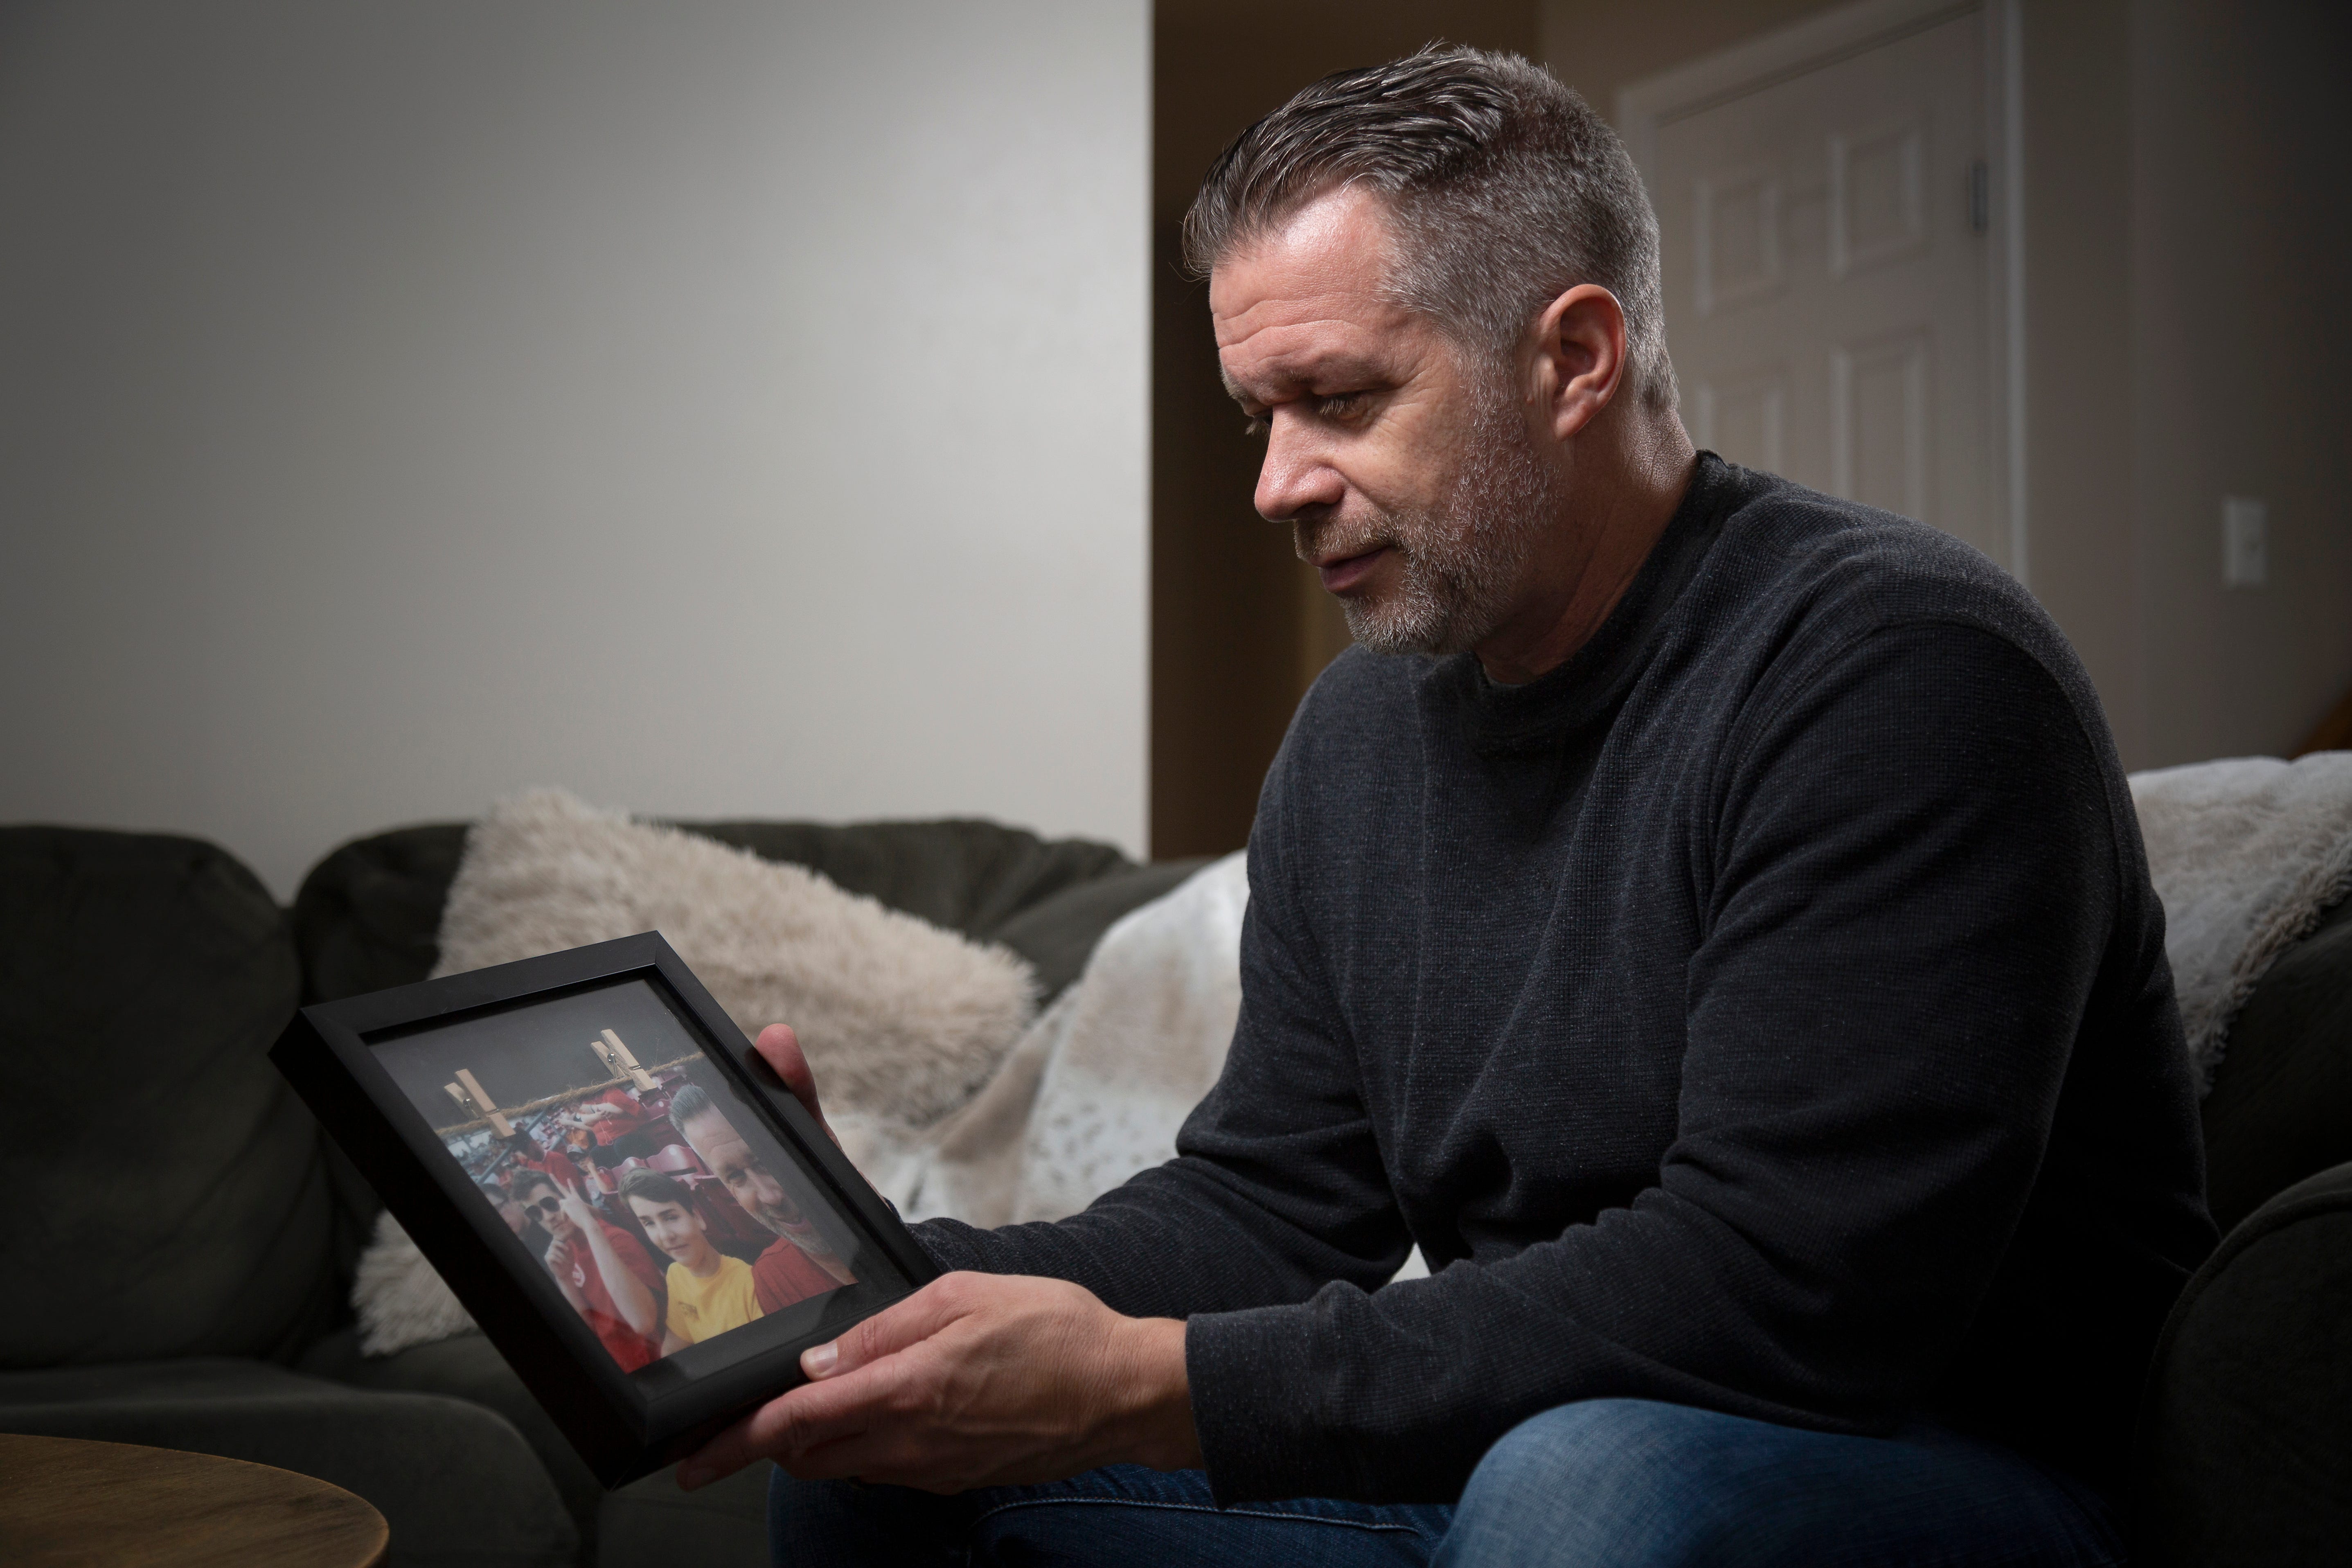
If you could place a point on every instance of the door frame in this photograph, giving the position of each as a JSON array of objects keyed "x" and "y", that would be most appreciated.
[{"x": 1834, "y": 35}]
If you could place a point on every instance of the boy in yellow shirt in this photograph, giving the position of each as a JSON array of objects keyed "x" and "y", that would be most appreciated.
[{"x": 709, "y": 1292}]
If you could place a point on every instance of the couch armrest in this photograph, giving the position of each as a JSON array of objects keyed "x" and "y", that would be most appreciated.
[{"x": 2244, "y": 1451}]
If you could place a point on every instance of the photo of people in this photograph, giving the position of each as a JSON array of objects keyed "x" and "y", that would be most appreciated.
[{"x": 621, "y": 1158}]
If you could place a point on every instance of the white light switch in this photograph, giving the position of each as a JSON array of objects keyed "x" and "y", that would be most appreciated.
[{"x": 2245, "y": 542}]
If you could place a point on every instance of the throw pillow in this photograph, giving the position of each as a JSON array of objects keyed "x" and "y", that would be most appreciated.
[{"x": 902, "y": 1021}]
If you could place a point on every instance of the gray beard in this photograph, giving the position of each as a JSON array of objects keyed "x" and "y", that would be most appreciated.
[{"x": 1463, "y": 559}]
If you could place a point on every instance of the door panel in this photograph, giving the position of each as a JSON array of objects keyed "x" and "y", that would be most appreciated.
[{"x": 1828, "y": 294}]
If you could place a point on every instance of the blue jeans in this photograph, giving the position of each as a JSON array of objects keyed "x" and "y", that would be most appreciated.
[{"x": 1625, "y": 1483}]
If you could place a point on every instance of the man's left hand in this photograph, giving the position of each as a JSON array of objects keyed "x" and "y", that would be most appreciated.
[{"x": 976, "y": 1379}]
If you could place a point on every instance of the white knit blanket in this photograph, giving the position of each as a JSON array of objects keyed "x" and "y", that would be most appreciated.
[
  {"x": 2246, "y": 854},
  {"x": 1095, "y": 1089}
]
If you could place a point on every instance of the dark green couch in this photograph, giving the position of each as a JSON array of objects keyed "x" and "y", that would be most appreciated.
[
  {"x": 179, "y": 1254},
  {"x": 181, "y": 1240}
]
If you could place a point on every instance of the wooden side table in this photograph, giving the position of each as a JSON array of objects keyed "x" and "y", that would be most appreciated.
[{"x": 65, "y": 1501}]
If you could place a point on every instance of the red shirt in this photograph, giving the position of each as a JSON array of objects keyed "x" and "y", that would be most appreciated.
[
  {"x": 785, "y": 1274},
  {"x": 612, "y": 1129},
  {"x": 631, "y": 1349}
]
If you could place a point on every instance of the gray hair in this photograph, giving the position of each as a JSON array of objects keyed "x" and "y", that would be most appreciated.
[
  {"x": 1506, "y": 188},
  {"x": 690, "y": 1103}
]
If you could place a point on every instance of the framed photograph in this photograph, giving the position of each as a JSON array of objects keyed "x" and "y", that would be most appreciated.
[{"x": 620, "y": 1190}]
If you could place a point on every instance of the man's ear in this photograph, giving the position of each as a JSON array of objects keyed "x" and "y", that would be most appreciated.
[{"x": 1579, "y": 357}]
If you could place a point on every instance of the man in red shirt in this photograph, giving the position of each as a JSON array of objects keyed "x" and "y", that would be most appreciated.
[
  {"x": 603, "y": 1271},
  {"x": 798, "y": 1264},
  {"x": 616, "y": 1120}
]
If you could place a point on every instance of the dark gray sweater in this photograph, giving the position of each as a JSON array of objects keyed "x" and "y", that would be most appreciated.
[{"x": 1765, "y": 1011}]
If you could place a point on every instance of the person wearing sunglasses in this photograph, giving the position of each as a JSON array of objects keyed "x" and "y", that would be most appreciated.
[{"x": 602, "y": 1270}]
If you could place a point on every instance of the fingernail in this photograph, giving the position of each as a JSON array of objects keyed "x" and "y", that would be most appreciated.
[{"x": 818, "y": 1361}]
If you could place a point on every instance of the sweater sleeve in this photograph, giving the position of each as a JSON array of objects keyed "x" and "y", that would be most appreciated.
[{"x": 1907, "y": 881}]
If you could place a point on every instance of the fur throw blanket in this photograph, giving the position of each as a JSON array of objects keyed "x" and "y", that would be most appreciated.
[{"x": 2246, "y": 854}]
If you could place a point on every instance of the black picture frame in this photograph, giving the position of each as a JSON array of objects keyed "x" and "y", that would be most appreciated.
[{"x": 624, "y": 1423}]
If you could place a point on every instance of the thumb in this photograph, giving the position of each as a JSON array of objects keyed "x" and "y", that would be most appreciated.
[
  {"x": 890, "y": 1331},
  {"x": 780, "y": 1048}
]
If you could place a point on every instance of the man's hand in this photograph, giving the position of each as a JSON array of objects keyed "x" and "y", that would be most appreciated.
[
  {"x": 975, "y": 1379},
  {"x": 781, "y": 1049},
  {"x": 576, "y": 1208}
]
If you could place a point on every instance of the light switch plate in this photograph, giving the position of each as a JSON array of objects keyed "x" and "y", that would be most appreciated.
[{"x": 2245, "y": 542}]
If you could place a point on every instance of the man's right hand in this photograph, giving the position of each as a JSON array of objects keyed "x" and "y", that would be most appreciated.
[{"x": 781, "y": 1049}]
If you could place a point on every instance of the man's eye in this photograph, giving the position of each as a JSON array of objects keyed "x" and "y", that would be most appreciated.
[{"x": 1343, "y": 406}]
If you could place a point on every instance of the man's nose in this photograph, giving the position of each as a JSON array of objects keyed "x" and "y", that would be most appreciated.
[{"x": 1295, "y": 475}]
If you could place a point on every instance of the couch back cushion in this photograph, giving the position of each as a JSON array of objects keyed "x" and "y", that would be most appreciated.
[
  {"x": 166, "y": 1194},
  {"x": 369, "y": 915},
  {"x": 2281, "y": 1107}
]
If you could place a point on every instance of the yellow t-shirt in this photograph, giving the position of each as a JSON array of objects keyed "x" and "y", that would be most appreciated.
[{"x": 701, "y": 1307}]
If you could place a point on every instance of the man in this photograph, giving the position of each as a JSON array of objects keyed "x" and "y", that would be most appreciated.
[
  {"x": 526, "y": 1229},
  {"x": 798, "y": 1264},
  {"x": 601, "y": 1269},
  {"x": 708, "y": 1291},
  {"x": 618, "y": 1123},
  {"x": 1706, "y": 916}
]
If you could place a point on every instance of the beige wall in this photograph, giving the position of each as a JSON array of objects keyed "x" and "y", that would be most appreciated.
[
  {"x": 2241, "y": 333},
  {"x": 718, "y": 408},
  {"x": 2186, "y": 332}
]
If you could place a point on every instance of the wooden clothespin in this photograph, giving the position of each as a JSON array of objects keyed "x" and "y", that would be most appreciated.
[
  {"x": 499, "y": 1123},
  {"x": 644, "y": 1081}
]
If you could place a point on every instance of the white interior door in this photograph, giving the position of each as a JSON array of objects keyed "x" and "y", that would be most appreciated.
[{"x": 1830, "y": 267}]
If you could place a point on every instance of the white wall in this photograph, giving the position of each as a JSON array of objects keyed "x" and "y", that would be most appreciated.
[{"x": 713, "y": 408}]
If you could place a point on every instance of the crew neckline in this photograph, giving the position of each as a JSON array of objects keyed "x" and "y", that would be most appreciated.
[{"x": 1499, "y": 718}]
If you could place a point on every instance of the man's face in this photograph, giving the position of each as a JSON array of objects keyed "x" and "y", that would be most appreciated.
[
  {"x": 671, "y": 1227},
  {"x": 544, "y": 1205},
  {"x": 1405, "y": 470},
  {"x": 747, "y": 1181}
]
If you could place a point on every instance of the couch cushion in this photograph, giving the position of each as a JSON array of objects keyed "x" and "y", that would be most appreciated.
[
  {"x": 968, "y": 876},
  {"x": 368, "y": 915},
  {"x": 644, "y": 1524},
  {"x": 465, "y": 1366},
  {"x": 455, "y": 1481},
  {"x": 2247, "y": 1423},
  {"x": 1058, "y": 934},
  {"x": 167, "y": 1195},
  {"x": 649, "y": 1523},
  {"x": 2281, "y": 1107}
]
